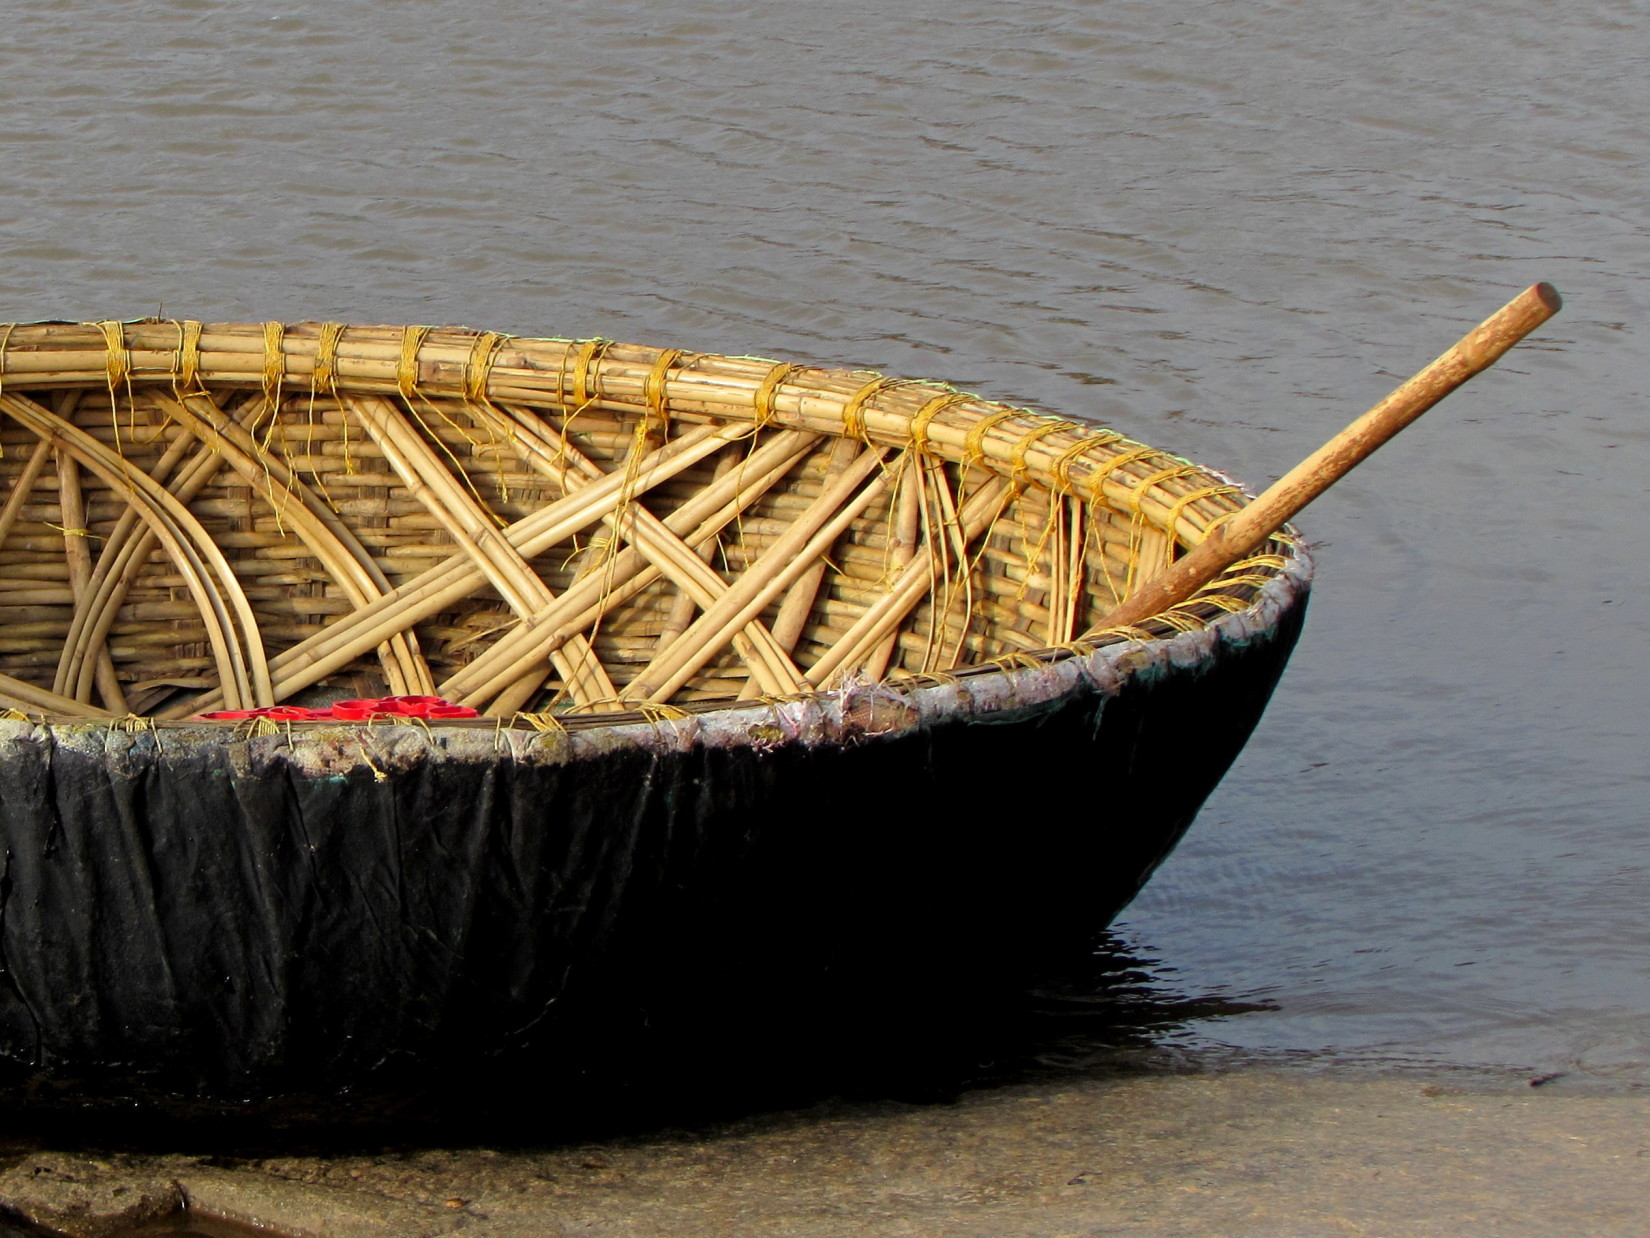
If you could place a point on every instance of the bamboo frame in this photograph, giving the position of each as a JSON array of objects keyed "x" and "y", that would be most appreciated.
[{"x": 543, "y": 524}]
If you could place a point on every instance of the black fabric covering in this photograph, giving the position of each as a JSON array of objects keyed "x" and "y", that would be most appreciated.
[{"x": 175, "y": 921}]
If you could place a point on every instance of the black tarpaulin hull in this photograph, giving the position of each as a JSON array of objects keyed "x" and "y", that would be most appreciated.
[{"x": 218, "y": 914}]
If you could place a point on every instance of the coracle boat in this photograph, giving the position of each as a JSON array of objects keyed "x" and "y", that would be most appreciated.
[{"x": 780, "y": 669}]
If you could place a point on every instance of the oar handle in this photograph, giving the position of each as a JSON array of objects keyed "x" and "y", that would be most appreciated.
[{"x": 1242, "y": 532}]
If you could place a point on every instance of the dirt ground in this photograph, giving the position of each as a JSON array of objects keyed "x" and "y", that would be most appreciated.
[{"x": 1253, "y": 1152}]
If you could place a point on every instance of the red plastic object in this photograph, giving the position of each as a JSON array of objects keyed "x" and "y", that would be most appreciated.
[
  {"x": 361, "y": 710},
  {"x": 291, "y": 713},
  {"x": 414, "y": 706},
  {"x": 352, "y": 711},
  {"x": 452, "y": 711}
]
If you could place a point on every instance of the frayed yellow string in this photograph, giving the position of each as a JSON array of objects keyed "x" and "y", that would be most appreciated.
[
  {"x": 1060, "y": 470},
  {"x": 118, "y": 371},
  {"x": 1107, "y": 469},
  {"x": 762, "y": 401},
  {"x": 1016, "y": 660},
  {"x": 323, "y": 379},
  {"x": 1225, "y": 601},
  {"x": 274, "y": 362},
  {"x": 853, "y": 412},
  {"x": 925, "y": 417},
  {"x": 406, "y": 384},
  {"x": 584, "y": 391},
  {"x": 406, "y": 367},
  {"x": 186, "y": 366},
  {"x": 653, "y": 392},
  {"x": 974, "y": 441},
  {"x": 1178, "y": 621},
  {"x": 1018, "y": 468},
  {"x": 478, "y": 370},
  {"x": 1177, "y": 509},
  {"x": 478, "y": 367},
  {"x": 544, "y": 723},
  {"x": 1276, "y": 562},
  {"x": 1157, "y": 479},
  {"x": 1125, "y": 631}
]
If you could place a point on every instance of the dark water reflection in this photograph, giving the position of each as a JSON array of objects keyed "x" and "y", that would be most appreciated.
[
  {"x": 1103, "y": 1012},
  {"x": 1225, "y": 228}
]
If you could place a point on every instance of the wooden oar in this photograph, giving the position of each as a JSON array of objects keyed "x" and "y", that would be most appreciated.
[{"x": 1237, "y": 536}]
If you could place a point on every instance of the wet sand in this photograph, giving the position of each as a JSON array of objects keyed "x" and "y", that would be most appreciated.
[{"x": 1253, "y": 1152}]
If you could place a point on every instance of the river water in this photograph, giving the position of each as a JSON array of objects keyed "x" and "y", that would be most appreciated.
[{"x": 1225, "y": 228}]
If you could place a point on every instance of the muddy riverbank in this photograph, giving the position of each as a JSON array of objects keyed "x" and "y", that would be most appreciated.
[{"x": 1254, "y": 1151}]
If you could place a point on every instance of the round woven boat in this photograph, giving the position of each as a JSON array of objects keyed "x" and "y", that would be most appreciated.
[{"x": 779, "y": 668}]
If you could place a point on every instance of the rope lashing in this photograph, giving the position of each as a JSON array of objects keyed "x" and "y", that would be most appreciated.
[
  {"x": 478, "y": 367},
  {"x": 1060, "y": 470},
  {"x": 974, "y": 442},
  {"x": 186, "y": 366},
  {"x": 925, "y": 417},
  {"x": 583, "y": 372},
  {"x": 406, "y": 366},
  {"x": 762, "y": 401},
  {"x": 1018, "y": 468},
  {"x": 1151, "y": 482},
  {"x": 853, "y": 412},
  {"x": 1110, "y": 468},
  {"x": 274, "y": 362},
  {"x": 653, "y": 390},
  {"x": 1177, "y": 509},
  {"x": 323, "y": 379}
]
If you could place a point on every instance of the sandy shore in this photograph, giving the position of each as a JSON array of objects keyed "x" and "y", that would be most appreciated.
[{"x": 1254, "y": 1152}]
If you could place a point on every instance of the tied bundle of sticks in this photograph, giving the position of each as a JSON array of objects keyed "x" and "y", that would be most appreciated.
[{"x": 227, "y": 517}]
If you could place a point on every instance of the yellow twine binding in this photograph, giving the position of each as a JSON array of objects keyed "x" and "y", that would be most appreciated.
[
  {"x": 925, "y": 417},
  {"x": 974, "y": 443},
  {"x": 478, "y": 367},
  {"x": 653, "y": 390},
  {"x": 323, "y": 379},
  {"x": 762, "y": 401},
  {"x": 406, "y": 368},
  {"x": 853, "y": 412},
  {"x": 186, "y": 365},
  {"x": 1018, "y": 469}
]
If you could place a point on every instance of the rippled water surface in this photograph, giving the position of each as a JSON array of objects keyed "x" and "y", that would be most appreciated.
[{"x": 1226, "y": 228}]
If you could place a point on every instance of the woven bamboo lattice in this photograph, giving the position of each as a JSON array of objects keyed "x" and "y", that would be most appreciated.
[{"x": 232, "y": 515}]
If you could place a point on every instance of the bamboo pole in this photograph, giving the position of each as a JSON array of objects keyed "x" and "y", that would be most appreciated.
[
  {"x": 24, "y": 486},
  {"x": 474, "y": 532},
  {"x": 197, "y": 557},
  {"x": 809, "y": 537},
  {"x": 695, "y": 523},
  {"x": 125, "y": 553},
  {"x": 912, "y": 585},
  {"x": 322, "y": 532},
  {"x": 907, "y": 528},
  {"x": 798, "y": 602},
  {"x": 685, "y": 607},
  {"x": 1232, "y": 538},
  {"x": 19, "y": 694},
  {"x": 553, "y": 456},
  {"x": 457, "y": 576},
  {"x": 72, "y": 505}
]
